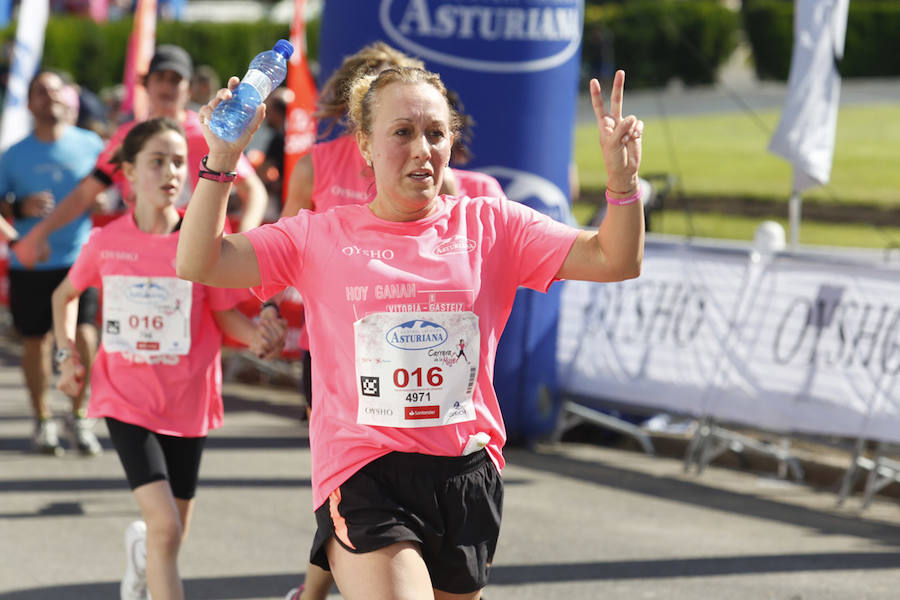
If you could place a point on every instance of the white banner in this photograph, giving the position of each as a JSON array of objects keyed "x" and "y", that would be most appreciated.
[
  {"x": 805, "y": 343},
  {"x": 16, "y": 120},
  {"x": 806, "y": 132}
]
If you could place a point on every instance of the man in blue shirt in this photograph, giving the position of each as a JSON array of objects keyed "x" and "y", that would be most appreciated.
[{"x": 36, "y": 172}]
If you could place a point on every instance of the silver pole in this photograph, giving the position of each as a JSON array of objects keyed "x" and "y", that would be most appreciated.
[{"x": 794, "y": 206}]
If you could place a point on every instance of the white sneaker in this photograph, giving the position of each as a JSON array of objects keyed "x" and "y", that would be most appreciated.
[
  {"x": 81, "y": 437},
  {"x": 134, "y": 584},
  {"x": 46, "y": 439},
  {"x": 294, "y": 594}
]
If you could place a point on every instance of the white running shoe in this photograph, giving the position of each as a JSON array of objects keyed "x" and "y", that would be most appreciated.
[
  {"x": 134, "y": 584},
  {"x": 81, "y": 437},
  {"x": 46, "y": 439},
  {"x": 294, "y": 594}
]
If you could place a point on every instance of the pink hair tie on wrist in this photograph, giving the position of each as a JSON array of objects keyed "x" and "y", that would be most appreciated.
[{"x": 635, "y": 197}]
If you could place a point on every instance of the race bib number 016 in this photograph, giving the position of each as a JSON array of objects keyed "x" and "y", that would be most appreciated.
[
  {"x": 146, "y": 315},
  {"x": 416, "y": 369}
]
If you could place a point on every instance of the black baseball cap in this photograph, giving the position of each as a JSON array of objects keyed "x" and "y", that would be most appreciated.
[{"x": 171, "y": 58}]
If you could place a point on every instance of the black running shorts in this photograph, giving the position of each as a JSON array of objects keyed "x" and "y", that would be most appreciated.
[
  {"x": 30, "y": 300},
  {"x": 449, "y": 505},
  {"x": 147, "y": 457}
]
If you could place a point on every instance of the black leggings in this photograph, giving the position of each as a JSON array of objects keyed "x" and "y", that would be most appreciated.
[{"x": 147, "y": 457}]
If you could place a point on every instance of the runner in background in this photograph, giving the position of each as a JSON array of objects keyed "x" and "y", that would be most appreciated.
[
  {"x": 157, "y": 379},
  {"x": 406, "y": 441},
  {"x": 167, "y": 82},
  {"x": 37, "y": 172}
]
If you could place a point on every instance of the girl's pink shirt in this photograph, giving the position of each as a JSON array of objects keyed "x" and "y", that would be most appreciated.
[
  {"x": 178, "y": 395},
  {"x": 474, "y": 184},
  {"x": 340, "y": 175},
  {"x": 469, "y": 255}
]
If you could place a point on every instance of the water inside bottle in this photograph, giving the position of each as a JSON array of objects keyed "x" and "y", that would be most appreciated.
[{"x": 230, "y": 117}]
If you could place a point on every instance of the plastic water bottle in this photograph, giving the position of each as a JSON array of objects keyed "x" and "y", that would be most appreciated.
[{"x": 266, "y": 72}]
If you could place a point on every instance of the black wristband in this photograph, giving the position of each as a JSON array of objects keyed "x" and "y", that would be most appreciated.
[
  {"x": 17, "y": 209},
  {"x": 102, "y": 177},
  {"x": 206, "y": 173},
  {"x": 270, "y": 304}
]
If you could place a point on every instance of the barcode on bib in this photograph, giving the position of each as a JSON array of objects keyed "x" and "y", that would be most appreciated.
[{"x": 472, "y": 372}]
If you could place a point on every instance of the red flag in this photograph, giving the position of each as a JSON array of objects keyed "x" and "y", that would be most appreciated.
[
  {"x": 140, "y": 51},
  {"x": 300, "y": 129}
]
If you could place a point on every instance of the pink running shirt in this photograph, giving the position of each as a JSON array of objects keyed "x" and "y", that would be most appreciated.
[
  {"x": 172, "y": 394},
  {"x": 475, "y": 184},
  {"x": 340, "y": 175},
  {"x": 469, "y": 255},
  {"x": 197, "y": 149}
]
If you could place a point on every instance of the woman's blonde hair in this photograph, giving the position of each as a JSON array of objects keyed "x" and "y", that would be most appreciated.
[
  {"x": 370, "y": 60},
  {"x": 364, "y": 95}
]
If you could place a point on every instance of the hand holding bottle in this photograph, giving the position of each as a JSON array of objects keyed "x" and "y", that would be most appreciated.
[{"x": 224, "y": 155}]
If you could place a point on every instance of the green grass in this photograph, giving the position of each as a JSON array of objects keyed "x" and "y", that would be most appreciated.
[{"x": 725, "y": 155}]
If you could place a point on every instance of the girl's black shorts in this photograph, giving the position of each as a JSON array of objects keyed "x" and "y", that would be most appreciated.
[
  {"x": 147, "y": 456},
  {"x": 449, "y": 505}
]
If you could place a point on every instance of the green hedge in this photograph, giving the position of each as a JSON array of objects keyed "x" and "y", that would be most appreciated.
[
  {"x": 94, "y": 54},
  {"x": 656, "y": 41},
  {"x": 871, "y": 49}
]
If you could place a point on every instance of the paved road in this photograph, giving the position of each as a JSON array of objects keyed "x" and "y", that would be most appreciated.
[{"x": 581, "y": 521}]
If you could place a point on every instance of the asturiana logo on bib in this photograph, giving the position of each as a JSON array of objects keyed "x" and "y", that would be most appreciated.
[
  {"x": 456, "y": 245},
  {"x": 147, "y": 292},
  {"x": 416, "y": 335},
  {"x": 486, "y": 35}
]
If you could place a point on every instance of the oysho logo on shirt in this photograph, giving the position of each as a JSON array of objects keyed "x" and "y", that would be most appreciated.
[
  {"x": 380, "y": 254},
  {"x": 416, "y": 335},
  {"x": 342, "y": 192},
  {"x": 456, "y": 245},
  {"x": 462, "y": 33}
]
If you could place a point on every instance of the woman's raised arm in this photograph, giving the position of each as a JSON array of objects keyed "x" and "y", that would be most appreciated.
[
  {"x": 615, "y": 251},
  {"x": 205, "y": 254}
]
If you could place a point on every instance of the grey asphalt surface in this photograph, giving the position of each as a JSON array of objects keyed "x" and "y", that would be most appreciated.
[{"x": 581, "y": 521}]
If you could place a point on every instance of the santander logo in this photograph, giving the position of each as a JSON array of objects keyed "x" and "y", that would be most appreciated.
[
  {"x": 456, "y": 245},
  {"x": 486, "y": 35}
]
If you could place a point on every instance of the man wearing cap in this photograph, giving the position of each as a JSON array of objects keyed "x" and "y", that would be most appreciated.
[{"x": 167, "y": 83}]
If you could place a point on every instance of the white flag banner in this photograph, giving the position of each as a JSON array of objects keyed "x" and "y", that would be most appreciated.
[
  {"x": 32, "y": 23},
  {"x": 821, "y": 344},
  {"x": 653, "y": 341},
  {"x": 799, "y": 343},
  {"x": 806, "y": 131}
]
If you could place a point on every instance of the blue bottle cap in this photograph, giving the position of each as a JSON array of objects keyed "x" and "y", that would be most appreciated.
[{"x": 284, "y": 47}]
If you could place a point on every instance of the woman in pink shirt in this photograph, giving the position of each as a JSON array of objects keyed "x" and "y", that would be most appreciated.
[
  {"x": 334, "y": 174},
  {"x": 407, "y": 435},
  {"x": 157, "y": 378}
]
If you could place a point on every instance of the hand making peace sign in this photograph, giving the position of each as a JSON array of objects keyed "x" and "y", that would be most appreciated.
[{"x": 620, "y": 139}]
